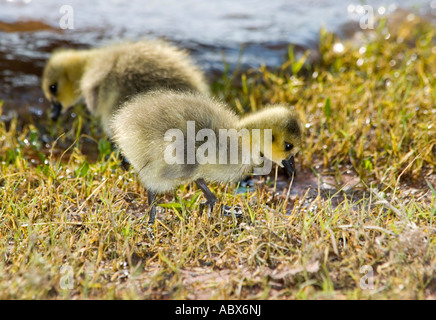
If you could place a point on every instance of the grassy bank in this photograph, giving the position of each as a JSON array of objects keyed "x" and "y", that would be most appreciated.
[{"x": 72, "y": 222}]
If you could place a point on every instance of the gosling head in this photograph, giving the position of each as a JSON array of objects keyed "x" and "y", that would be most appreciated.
[
  {"x": 286, "y": 138},
  {"x": 61, "y": 80}
]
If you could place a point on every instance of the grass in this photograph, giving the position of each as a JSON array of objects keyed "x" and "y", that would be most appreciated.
[{"x": 72, "y": 222}]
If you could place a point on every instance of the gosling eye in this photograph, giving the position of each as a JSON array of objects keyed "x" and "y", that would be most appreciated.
[
  {"x": 53, "y": 89},
  {"x": 288, "y": 146}
]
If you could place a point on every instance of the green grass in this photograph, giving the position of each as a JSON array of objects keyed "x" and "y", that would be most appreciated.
[{"x": 369, "y": 114}]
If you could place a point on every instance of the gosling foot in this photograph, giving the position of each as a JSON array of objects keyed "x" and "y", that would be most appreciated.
[{"x": 207, "y": 204}]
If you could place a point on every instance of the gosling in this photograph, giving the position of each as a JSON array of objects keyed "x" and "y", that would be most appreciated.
[
  {"x": 106, "y": 77},
  {"x": 148, "y": 129}
]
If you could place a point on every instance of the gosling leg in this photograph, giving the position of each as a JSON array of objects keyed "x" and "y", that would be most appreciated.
[
  {"x": 151, "y": 198},
  {"x": 211, "y": 199}
]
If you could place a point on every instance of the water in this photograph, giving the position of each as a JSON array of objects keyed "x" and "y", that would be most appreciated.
[{"x": 211, "y": 30}]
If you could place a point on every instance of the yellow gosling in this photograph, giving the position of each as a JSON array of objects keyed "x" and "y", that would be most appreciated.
[
  {"x": 148, "y": 129},
  {"x": 106, "y": 77}
]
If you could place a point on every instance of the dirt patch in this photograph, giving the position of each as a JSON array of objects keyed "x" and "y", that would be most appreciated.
[{"x": 26, "y": 26}]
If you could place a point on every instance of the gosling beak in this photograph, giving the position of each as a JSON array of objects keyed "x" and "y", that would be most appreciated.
[
  {"x": 56, "y": 110},
  {"x": 289, "y": 165}
]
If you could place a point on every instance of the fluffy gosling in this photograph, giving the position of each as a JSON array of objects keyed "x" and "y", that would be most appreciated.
[
  {"x": 106, "y": 77},
  {"x": 141, "y": 128}
]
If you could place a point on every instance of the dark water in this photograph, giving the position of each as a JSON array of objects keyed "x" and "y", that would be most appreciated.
[{"x": 211, "y": 30}]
